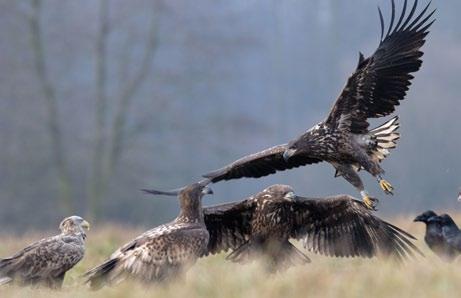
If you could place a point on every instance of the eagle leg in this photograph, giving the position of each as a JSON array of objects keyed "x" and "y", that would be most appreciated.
[
  {"x": 348, "y": 173},
  {"x": 370, "y": 202},
  {"x": 386, "y": 186}
]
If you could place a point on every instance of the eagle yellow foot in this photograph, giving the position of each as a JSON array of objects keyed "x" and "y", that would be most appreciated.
[
  {"x": 386, "y": 186},
  {"x": 370, "y": 202}
]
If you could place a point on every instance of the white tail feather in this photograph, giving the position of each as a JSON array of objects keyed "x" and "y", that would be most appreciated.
[{"x": 386, "y": 137}]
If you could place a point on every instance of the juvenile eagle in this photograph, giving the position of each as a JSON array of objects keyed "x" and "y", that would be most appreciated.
[
  {"x": 337, "y": 226},
  {"x": 46, "y": 262},
  {"x": 161, "y": 253},
  {"x": 434, "y": 236},
  {"x": 343, "y": 139}
]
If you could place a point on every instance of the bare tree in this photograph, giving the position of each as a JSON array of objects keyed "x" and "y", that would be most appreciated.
[
  {"x": 109, "y": 148},
  {"x": 51, "y": 101},
  {"x": 110, "y": 128}
]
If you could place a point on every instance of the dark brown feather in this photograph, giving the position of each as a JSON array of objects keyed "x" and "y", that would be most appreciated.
[
  {"x": 382, "y": 80},
  {"x": 260, "y": 164},
  {"x": 341, "y": 226}
]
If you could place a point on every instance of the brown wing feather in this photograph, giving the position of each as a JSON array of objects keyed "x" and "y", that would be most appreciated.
[
  {"x": 341, "y": 226},
  {"x": 260, "y": 164},
  {"x": 46, "y": 259},
  {"x": 156, "y": 255},
  {"x": 382, "y": 80},
  {"x": 228, "y": 225}
]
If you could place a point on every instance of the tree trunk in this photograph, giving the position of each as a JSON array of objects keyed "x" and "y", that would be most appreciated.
[{"x": 54, "y": 128}]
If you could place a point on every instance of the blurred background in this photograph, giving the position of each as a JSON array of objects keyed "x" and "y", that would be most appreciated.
[{"x": 99, "y": 99}]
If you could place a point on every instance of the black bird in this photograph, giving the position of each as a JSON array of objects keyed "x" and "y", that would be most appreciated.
[
  {"x": 164, "y": 252},
  {"x": 344, "y": 139},
  {"x": 434, "y": 237},
  {"x": 451, "y": 234},
  {"x": 337, "y": 226}
]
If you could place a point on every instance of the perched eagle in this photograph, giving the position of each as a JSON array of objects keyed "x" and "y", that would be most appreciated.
[
  {"x": 46, "y": 262},
  {"x": 337, "y": 226},
  {"x": 343, "y": 139},
  {"x": 442, "y": 235},
  {"x": 164, "y": 252}
]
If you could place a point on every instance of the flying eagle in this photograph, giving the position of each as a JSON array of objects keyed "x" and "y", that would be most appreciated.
[
  {"x": 442, "y": 235},
  {"x": 161, "y": 253},
  {"x": 343, "y": 139},
  {"x": 337, "y": 226},
  {"x": 46, "y": 262}
]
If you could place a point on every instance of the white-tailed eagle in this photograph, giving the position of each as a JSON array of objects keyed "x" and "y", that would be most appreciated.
[
  {"x": 344, "y": 139},
  {"x": 46, "y": 262},
  {"x": 161, "y": 253},
  {"x": 337, "y": 226}
]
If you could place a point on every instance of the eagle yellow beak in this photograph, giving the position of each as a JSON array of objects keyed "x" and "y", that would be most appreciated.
[{"x": 85, "y": 225}]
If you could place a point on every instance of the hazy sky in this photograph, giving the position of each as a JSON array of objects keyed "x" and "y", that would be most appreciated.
[{"x": 227, "y": 78}]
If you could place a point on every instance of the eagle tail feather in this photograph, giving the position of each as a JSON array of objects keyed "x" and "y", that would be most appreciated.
[
  {"x": 386, "y": 137},
  {"x": 290, "y": 256},
  {"x": 98, "y": 276},
  {"x": 279, "y": 258},
  {"x": 5, "y": 280}
]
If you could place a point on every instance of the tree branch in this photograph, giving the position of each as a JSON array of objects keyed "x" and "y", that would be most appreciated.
[
  {"x": 127, "y": 96},
  {"x": 49, "y": 91},
  {"x": 99, "y": 179}
]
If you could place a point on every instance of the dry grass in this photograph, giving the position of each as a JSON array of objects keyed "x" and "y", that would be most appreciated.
[{"x": 214, "y": 277}]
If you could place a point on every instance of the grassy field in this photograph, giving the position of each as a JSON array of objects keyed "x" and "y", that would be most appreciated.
[{"x": 215, "y": 277}]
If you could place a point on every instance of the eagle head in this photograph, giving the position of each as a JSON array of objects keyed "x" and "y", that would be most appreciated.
[
  {"x": 293, "y": 148},
  {"x": 280, "y": 191},
  {"x": 73, "y": 225}
]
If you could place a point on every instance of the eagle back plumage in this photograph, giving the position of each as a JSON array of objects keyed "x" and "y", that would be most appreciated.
[
  {"x": 337, "y": 226},
  {"x": 45, "y": 261},
  {"x": 161, "y": 253}
]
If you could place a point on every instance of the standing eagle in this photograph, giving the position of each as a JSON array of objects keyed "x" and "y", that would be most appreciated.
[
  {"x": 343, "y": 139},
  {"x": 161, "y": 253},
  {"x": 337, "y": 226},
  {"x": 46, "y": 262}
]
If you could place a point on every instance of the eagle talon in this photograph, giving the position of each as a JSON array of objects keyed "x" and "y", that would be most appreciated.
[
  {"x": 370, "y": 203},
  {"x": 386, "y": 187}
]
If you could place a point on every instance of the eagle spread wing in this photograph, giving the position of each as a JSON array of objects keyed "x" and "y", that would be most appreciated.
[
  {"x": 260, "y": 164},
  {"x": 46, "y": 260},
  {"x": 341, "y": 226},
  {"x": 228, "y": 225},
  {"x": 382, "y": 80},
  {"x": 156, "y": 255}
]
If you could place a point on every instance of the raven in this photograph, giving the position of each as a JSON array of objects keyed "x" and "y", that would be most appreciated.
[{"x": 434, "y": 236}]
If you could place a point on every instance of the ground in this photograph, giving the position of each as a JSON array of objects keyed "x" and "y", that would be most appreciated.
[{"x": 215, "y": 277}]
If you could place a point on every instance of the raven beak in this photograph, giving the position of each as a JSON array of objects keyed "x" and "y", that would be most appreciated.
[
  {"x": 288, "y": 154},
  {"x": 85, "y": 225},
  {"x": 207, "y": 191},
  {"x": 417, "y": 218}
]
